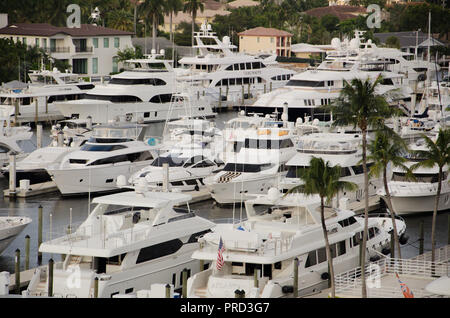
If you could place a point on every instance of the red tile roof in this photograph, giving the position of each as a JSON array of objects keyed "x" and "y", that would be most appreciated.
[
  {"x": 342, "y": 12},
  {"x": 45, "y": 29},
  {"x": 261, "y": 31}
]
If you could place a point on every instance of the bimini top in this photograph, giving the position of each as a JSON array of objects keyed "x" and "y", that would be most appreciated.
[{"x": 147, "y": 199}]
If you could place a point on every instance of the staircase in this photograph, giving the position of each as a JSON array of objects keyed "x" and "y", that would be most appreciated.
[{"x": 227, "y": 177}]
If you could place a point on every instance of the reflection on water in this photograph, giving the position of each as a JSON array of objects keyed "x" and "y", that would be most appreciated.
[{"x": 56, "y": 213}]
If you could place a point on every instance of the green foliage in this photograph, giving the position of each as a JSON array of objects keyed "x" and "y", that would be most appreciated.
[
  {"x": 130, "y": 53},
  {"x": 393, "y": 41},
  {"x": 18, "y": 58}
]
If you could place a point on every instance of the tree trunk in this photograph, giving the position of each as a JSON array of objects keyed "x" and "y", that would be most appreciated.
[
  {"x": 171, "y": 32},
  {"x": 135, "y": 20},
  {"x": 327, "y": 247},
  {"x": 433, "y": 224},
  {"x": 193, "y": 28},
  {"x": 366, "y": 213},
  {"x": 154, "y": 26},
  {"x": 392, "y": 213}
]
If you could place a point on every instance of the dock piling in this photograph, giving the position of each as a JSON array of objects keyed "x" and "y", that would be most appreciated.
[
  {"x": 17, "y": 271},
  {"x": 50, "y": 277},
  {"x": 39, "y": 233},
  {"x": 27, "y": 252},
  {"x": 96, "y": 287},
  {"x": 167, "y": 291},
  {"x": 421, "y": 237},
  {"x": 392, "y": 244},
  {"x": 12, "y": 174},
  {"x": 295, "y": 278},
  {"x": 184, "y": 287},
  {"x": 39, "y": 135}
]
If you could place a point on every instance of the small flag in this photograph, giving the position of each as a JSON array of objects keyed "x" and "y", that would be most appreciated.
[
  {"x": 240, "y": 228},
  {"x": 220, "y": 261},
  {"x": 407, "y": 293}
]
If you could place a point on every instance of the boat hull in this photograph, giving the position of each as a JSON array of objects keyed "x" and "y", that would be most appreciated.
[
  {"x": 419, "y": 204},
  {"x": 7, "y": 235}
]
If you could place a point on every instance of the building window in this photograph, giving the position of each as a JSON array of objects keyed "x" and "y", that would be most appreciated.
[
  {"x": 36, "y": 42},
  {"x": 115, "y": 62},
  {"x": 24, "y": 40},
  {"x": 116, "y": 42},
  {"x": 95, "y": 42},
  {"x": 94, "y": 65},
  {"x": 79, "y": 66},
  {"x": 44, "y": 43},
  {"x": 272, "y": 40},
  {"x": 257, "y": 39},
  {"x": 106, "y": 43}
]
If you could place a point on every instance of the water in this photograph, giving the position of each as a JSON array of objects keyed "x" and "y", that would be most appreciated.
[{"x": 59, "y": 210}]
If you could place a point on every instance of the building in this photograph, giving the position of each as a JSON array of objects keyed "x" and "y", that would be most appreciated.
[
  {"x": 265, "y": 40},
  {"x": 409, "y": 40},
  {"x": 90, "y": 50},
  {"x": 342, "y": 12},
  {"x": 306, "y": 51}
]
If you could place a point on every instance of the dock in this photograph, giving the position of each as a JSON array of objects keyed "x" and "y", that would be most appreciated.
[{"x": 32, "y": 190}]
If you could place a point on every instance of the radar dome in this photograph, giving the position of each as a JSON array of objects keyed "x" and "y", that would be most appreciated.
[
  {"x": 354, "y": 44},
  {"x": 273, "y": 194},
  {"x": 121, "y": 181},
  {"x": 336, "y": 43},
  {"x": 226, "y": 39}
]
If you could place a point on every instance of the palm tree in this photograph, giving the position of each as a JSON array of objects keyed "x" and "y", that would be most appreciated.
[
  {"x": 192, "y": 7},
  {"x": 387, "y": 147},
  {"x": 437, "y": 154},
  {"x": 360, "y": 106},
  {"x": 121, "y": 20},
  {"x": 322, "y": 179},
  {"x": 155, "y": 10},
  {"x": 173, "y": 6}
]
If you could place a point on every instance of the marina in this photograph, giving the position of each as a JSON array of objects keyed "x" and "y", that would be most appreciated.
[{"x": 306, "y": 159}]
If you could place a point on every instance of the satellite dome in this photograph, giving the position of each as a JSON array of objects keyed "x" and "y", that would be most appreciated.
[
  {"x": 336, "y": 43},
  {"x": 273, "y": 194},
  {"x": 226, "y": 39}
]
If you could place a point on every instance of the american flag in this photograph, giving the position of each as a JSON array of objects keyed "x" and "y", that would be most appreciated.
[
  {"x": 407, "y": 293},
  {"x": 220, "y": 261}
]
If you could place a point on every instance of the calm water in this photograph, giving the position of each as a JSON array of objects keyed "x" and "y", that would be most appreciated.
[{"x": 56, "y": 214}]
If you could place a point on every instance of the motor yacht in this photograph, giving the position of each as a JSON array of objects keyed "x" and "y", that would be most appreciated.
[
  {"x": 337, "y": 149},
  {"x": 145, "y": 92},
  {"x": 37, "y": 99},
  {"x": 10, "y": 227},
  {"x": 227, "y": 77},
  {"x": 66, "y": 136},
  {"x": 259, "y": 253},
  {"x": 256, "y": 166},
  {"x": 112, "y": 150},
  {"x": 409, "y": 196},
  {"x": 129, "y": 241}
]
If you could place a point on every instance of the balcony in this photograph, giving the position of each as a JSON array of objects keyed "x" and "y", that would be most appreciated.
[{"x": 86, "y": 49}]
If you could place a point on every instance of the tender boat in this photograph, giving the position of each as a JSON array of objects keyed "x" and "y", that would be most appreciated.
[{"x": 10, "y": 227}]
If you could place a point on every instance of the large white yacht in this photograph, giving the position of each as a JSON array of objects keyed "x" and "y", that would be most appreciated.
[
  {"x": 409, "y": 196},
  {"x": 38, "y": 98},
  {"x": 112, "y": 150},
  {"x": 259, "y": 253},
  {"x": 307, "y": 91},
  {"x": 226, "y": 76},
  {"x": 10, "y": 227},
  {"x": 66, "y": 136},
  {"x": 337, "y": 149},
  {"x": 256, "y": 166},
  {"x": 129, "y": 241},
  {"x": 144, "y": 92}
]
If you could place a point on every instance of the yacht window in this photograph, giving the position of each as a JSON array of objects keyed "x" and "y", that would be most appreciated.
[
  {"x": 236, "y": 67},
  {"x": 162, "y": 98},
  {"x": 137, "y": 81},
  {"x": 110, "y": 160},
  {"x": 194, "y": 237},
  {"x": 267, "y": 144},
  {"x": 387, "y": 81},
  {"x": 422, "y": 177},
  {"x": 204, "y": 164},
  {"x": 345, "y": 172},
  {"x": 4, "y": 149},
  {"x": 239, "y": 167},
  {"x": 242, "y": 66},
  {"x": 357, "y": 238},
  {"x": 172, "y": 160},
  {"x": 371, "y": 233},
  {"x": 305, "y": 83},
  {"x": 93, "y": 147},
  {"x": 321, "y": 255},
  {"x": 256, "y": 65},
  {"x": 229, "y": 68},
  {"x": 159, "y": 250},
  {"x": 333, "y": 250},
  {"x": 293, "y": 171},
  {"x": 114, "y": 98},
  {"x": 193, "y": 160},
  {"x": 341, "y": 248},
  {"x": 238, "y": 81},
  {"x": 312, "y": 259},
  {"x": 177, "y": 183},
  {"x": 78, "y": 161},
  {"x": 108, "y": 140},
  {"x": 248, "y": 66}
]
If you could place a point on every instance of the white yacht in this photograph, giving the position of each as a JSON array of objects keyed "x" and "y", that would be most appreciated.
[
  {"x": 188, "y": 164},
  {"x": 337, "y": 149},
  {"x": 143, "y": 92},
  {"x": 256, "y": 166},
  {"x": 39, "y": 97},
  {"x": 259, "y": 253},
  {"x": 129, "y": 241},
  {"x": 10, "y": 227},
  {"x": 409, "y": 196},
  {"x": 64, "y": 140},
  {"x": 12, "y": 138},
  {"x": 226, "y": 76},
  {"x": 112, "y": 150}
]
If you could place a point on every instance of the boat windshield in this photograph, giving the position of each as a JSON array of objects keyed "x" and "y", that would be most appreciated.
[
  {"x": 173, "y": 160},
  {"x": 117, "y": 133},
  {"x": 246, "y": 167}
]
